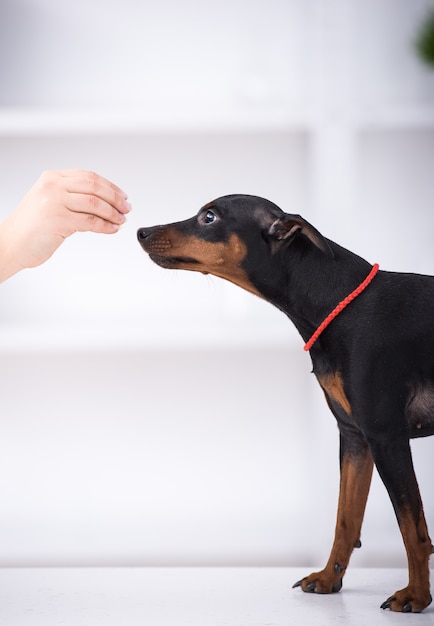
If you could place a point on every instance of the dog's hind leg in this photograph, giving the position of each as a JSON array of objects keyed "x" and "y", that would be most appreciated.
[
  {"x": 356, "y": 473},
  {"x": 395, "y": 466}
]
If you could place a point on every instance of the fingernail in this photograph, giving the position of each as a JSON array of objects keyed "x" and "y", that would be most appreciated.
[{"x": 127, "y": 206}]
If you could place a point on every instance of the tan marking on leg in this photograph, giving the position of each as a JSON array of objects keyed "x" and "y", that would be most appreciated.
[
  {"x": 356, "y": 473},
  {"x": 333, "y": 386},
  {"x": 418, "y": 547}
]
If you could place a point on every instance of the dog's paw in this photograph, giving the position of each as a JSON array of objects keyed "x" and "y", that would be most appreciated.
[
  {"x": 322, "y": 582},
  {"x": 408, "y": 600}
]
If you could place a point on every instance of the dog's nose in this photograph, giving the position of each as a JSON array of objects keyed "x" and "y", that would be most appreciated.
[{"x": 142, "y": 233}]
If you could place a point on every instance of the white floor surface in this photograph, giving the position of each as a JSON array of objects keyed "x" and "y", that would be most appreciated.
[{"x": 194, "y": 597}]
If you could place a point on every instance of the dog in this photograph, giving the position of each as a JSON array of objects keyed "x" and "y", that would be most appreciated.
[{"x": 370, "y": 334}]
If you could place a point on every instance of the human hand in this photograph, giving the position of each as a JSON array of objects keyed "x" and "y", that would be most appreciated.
[{"x": 59, "y": 204}]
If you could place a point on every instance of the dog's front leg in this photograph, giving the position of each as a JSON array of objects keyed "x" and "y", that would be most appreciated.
[{"x": 356, "y": 473}]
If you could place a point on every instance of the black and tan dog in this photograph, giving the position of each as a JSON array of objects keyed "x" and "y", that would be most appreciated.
[{"x": 373, "y": 355}]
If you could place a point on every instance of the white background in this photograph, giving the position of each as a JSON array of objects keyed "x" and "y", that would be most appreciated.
[{"x": 150, "y": 417}]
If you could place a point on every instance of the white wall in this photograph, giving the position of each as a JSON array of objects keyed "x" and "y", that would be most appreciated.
[{"x": 150, "y": 417}]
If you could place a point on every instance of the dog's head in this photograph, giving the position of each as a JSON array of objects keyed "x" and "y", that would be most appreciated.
[{"x": 238, "y": 237}]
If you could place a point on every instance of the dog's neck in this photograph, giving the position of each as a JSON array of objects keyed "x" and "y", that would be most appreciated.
[
  {"x": 326, "y": 282},
  {"x": 341, "y": 307}
]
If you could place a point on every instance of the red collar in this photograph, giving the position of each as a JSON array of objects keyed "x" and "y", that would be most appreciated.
[{"x": 341, "y": 306}]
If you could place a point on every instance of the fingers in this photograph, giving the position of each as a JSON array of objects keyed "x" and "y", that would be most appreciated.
[
  {"x": 94, "y": 196},
  {"x": 92, "y": 207},
  {"x": 90, "y": 181},
  {"x": 85, "y": 222}
]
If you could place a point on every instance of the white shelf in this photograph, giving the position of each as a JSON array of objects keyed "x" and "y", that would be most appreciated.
[
  {"x": 25, "y": 122},
  {"x": 400, "y": 118},
  {"x": 152, "y": 335},
  {"x": 28, "y": 121}
]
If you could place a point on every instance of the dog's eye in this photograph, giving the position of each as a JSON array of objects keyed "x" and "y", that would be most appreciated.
[{"x": 209, "y": 217}]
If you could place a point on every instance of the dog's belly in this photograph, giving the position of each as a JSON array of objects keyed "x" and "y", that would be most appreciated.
[{"x": 420, "y": 410}]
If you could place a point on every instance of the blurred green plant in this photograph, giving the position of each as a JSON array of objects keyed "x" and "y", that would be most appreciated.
[{"x": 425, "y": 40}]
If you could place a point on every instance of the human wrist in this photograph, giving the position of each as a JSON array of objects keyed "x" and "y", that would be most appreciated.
[{"x": 9, "y": 260}]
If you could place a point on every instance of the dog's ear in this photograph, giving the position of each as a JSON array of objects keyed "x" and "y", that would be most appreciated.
[{"x": 285, "y": 228}]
